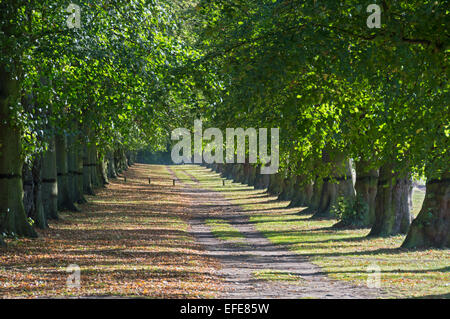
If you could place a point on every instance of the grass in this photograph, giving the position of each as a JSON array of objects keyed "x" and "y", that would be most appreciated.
[
  {"x": 224, "y": 231},
  {"x": 276, "y": 275},
  {"x": 130, "y": 240},
  {"x": 343, "y": 254}
]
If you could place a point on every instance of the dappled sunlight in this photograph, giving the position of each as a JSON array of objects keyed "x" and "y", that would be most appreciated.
[
  {"x": 344, "y": 254},
  {"x": 130, "y": 240}
]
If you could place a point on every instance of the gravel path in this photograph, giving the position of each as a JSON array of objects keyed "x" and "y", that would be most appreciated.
[{"x": 240, "y": 262}]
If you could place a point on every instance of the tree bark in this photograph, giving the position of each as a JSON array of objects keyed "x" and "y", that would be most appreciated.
[
  {"x": 121, "y": 160},
  {"x": 88, "y": 187},
  {"x": 251, "y": 175},
  {"x": 111, "y": 165},
  {"x": 32, "y": 199},
  {"x": 50, "y": 182},
  {"x": 236, "y": 172},
  {"x": 393, "y": 203},
  {"x": 38, "y": 214},
  {"x": 275, "y": 185},
  {"x": 94, "y": 165},
  {"x": 431, "y": 227},
  {"x": 75, "y": 158},
  {"x": 302, "y": 192},
  {"x": 339, "y": 185},
  {"x": 64, "y": 195},
  {"x": 28, "y": 189},
  {"x": 245, "y": 173},
  {"x": 366, "y": 191},
  {"x": 287, "y": 189},
  {"x": 102, "y": 166},
  {"x": 261, "y": 180},
  {"x": 12, "y": 213}
]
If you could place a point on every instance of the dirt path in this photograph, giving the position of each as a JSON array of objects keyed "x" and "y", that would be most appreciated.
[{"x": 240, "y": 262}]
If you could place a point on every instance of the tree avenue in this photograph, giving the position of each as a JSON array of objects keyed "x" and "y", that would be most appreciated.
[{"x": 362, "y": 112}]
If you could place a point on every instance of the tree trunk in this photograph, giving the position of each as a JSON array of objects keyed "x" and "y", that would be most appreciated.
[
  {"x": 12, "y": 213},
  {"x": 393, "y": 203},
  {"x": 76, "y": 170},
  {"x": 28, "y": 189},
  {"x": 72, "y": 168},
  {"x": 94, "y": 161},
  {"x": 287, "y": 189},
  {"x": 245, "y": 173},
  {"x": 275, "y": 186},
  {"x": 302, "y": 192},
  {"x": 339, "y": 185},
  {"x": 88, "y": 188},
  {"x": 75, "y": 174},
  {"x": 38, "y": 214},
  {"x": 251, "y": 175},
  {"x": 431, "y": 227},
  {"x": 64, "y": 196},
  {"x": 130, "y": 155},
  {"x": 111, "y": 165},
  {"x": 242, "y": 176},
  {"x": 32, "y": 200},
  {"x": 49, "y": 182},
  {"x": 317, "y": 193},
  {"x": 102, "y": 167},
  {"x": 366, "y": 190},
  {"x": 236, "y": 171},
  {"x": 121, "y": 160},
  {"x": 261, "y": 180}
]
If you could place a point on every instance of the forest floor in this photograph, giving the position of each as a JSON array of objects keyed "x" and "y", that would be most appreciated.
[
  {"x": 131, "y": 240},
  {"x": 200, "y": 239}
]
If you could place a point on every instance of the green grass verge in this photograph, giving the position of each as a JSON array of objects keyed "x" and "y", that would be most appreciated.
[
  {"x": 224, "y": 231},
  {"x": 343, "y": 254},
  {"x": 276, "y": 275}
]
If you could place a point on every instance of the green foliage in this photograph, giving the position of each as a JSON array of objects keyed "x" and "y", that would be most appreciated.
[
  {"x": 30, "y": 221},
  {"x": 136, "y": 70},
  {"x": 316, "y": 71},
  {"x": 350, "y": 211},
  {"x": 115, "y": 76}
]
